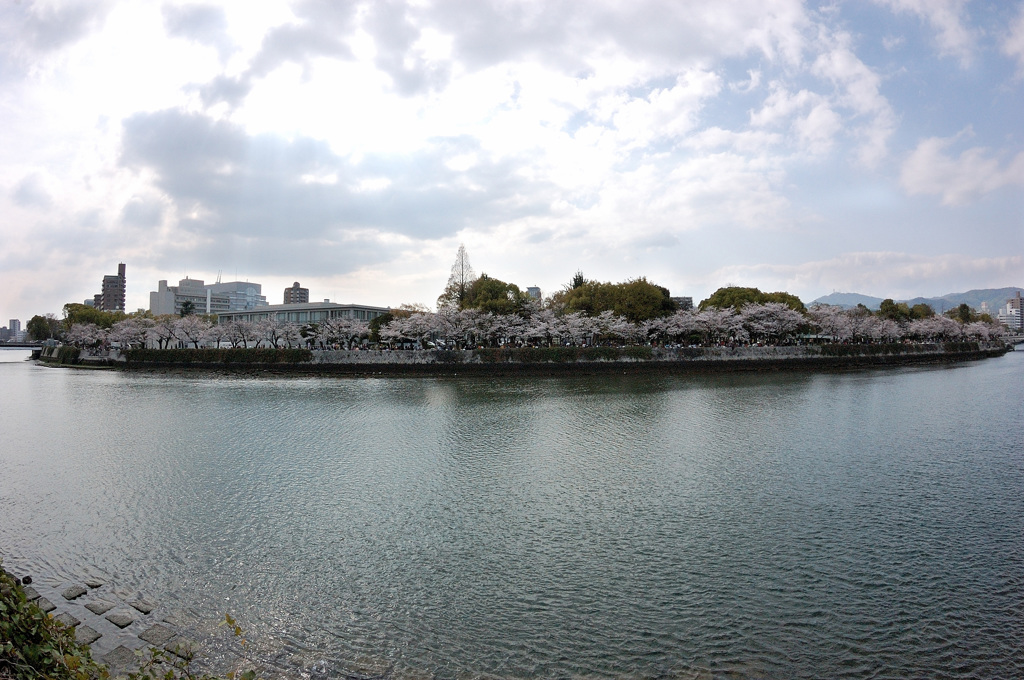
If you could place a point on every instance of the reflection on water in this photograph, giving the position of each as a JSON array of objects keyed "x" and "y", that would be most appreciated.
[
  {"x": 14, "y": 354},
  {"x": 772, "y": 525}
]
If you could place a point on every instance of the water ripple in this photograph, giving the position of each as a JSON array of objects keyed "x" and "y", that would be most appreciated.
[{"x": 854, "y": 525}]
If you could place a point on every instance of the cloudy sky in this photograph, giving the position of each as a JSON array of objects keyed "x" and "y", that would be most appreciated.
[{"x": 857, "y": 146}]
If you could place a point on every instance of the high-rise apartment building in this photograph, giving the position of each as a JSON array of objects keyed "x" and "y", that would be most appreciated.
[
  {"x": 296, "y": 294},
  {"x": 112, "y": 295}
]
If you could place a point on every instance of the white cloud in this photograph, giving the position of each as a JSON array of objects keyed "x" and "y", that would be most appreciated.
[
  {"x": 34, "y": 190},
  {"x": 747, "y": 85},
  {"x": 930, "y": 170},
  {"x": 819, "y": 128},
  {"x": 781, "y": 105},
  {"x": 948, "y": 19},
  {"x": 666, "y": 113},
  {"x": 1013, "y": 42},
  {"x": 813, "y": 121},
  {"x": 859, "y": 92},
  {"x": 891, "y": 42}
]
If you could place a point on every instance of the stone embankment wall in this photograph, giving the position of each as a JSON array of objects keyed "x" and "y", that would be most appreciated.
[
  {"x": 559, "y": 360},
  {"x": 643, "y": 359}
]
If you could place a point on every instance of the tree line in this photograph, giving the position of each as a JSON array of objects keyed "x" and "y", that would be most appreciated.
[
  {"x": 770, "y": 323},
  {"x": 475, "y": 311}
]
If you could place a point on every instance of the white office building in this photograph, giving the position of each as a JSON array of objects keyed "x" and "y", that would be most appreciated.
[
  {"x": 213, "y": 298},
  {"x": 1011, "y": 314}
]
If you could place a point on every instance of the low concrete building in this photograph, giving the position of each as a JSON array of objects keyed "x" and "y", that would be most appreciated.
[{"x": 306, "y": 312}]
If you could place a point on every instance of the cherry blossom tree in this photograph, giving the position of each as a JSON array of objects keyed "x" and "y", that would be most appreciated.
[
  {"x": 681, "y": 325},
  {"x": 623, "y": 329},
  {"x": 935, "y": 328},
  {"x": 772, "y": 322},
  {"x": 291, "y": 334},
  {"x": 978, "y": 330},
  {"x": 240, "y": 333},
  {"x": 832, "y": 322},
  {"x": 540, "y": 328},
  {"x": 716, "y": 324},
  {"x": 216, "y": 334},
  {"x": 414, "y": 328},
  {"x": 85, "y": 335},
  {"x": 163, "y": 330},
  {"x": 131, "y": 332},
  {"x": 192, "y": 329}
]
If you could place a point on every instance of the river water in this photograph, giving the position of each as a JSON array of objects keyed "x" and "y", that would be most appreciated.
[{"x": 854, "y": 524}]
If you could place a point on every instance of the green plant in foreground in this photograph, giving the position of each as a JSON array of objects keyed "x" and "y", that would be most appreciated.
[{"x": 33, "y": 644}]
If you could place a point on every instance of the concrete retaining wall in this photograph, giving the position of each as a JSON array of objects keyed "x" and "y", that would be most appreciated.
[{"x": 560, "y": 360}]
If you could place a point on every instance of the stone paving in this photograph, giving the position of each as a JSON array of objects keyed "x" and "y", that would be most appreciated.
[
  {"x": 118, "y": 627},
  {"x": 85, "y": 635},
  {"x": 100, "y": 607},
  {"x": 121, "y": 627}
]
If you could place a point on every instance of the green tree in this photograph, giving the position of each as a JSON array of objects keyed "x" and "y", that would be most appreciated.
[
  {"x": 964, "y": 314},
  {"x": 788, "y": 299},
  {"x": 376, "y": 323},
  {"x": 895, "y": 311},
  {"x": 923, "y": 311},
  {"x": 637, "y": 299},
  {"x": 76, "y": 313},
  {"x": 590, "y": 298},
  {"x": 736, "y": 297},
  {"x": 188, "y": 308},
  {"x": 494, "y": 296},
  {"x": 732, "y": 297},
  {"x": 41, "y": 328}
]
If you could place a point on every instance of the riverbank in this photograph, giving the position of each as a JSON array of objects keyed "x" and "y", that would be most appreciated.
[{"x": 531, "y": 360}]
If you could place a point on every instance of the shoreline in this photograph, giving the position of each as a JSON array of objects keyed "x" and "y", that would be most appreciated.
[{"x": 552, "y": 361}]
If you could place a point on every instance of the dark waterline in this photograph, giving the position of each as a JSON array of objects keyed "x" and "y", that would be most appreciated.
[{"x": 864, "y": 524}]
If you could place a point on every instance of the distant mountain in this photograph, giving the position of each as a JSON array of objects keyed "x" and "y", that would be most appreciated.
[
  {"x": 993, "y": 297},
  {"x": 848, "y": 300}
]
